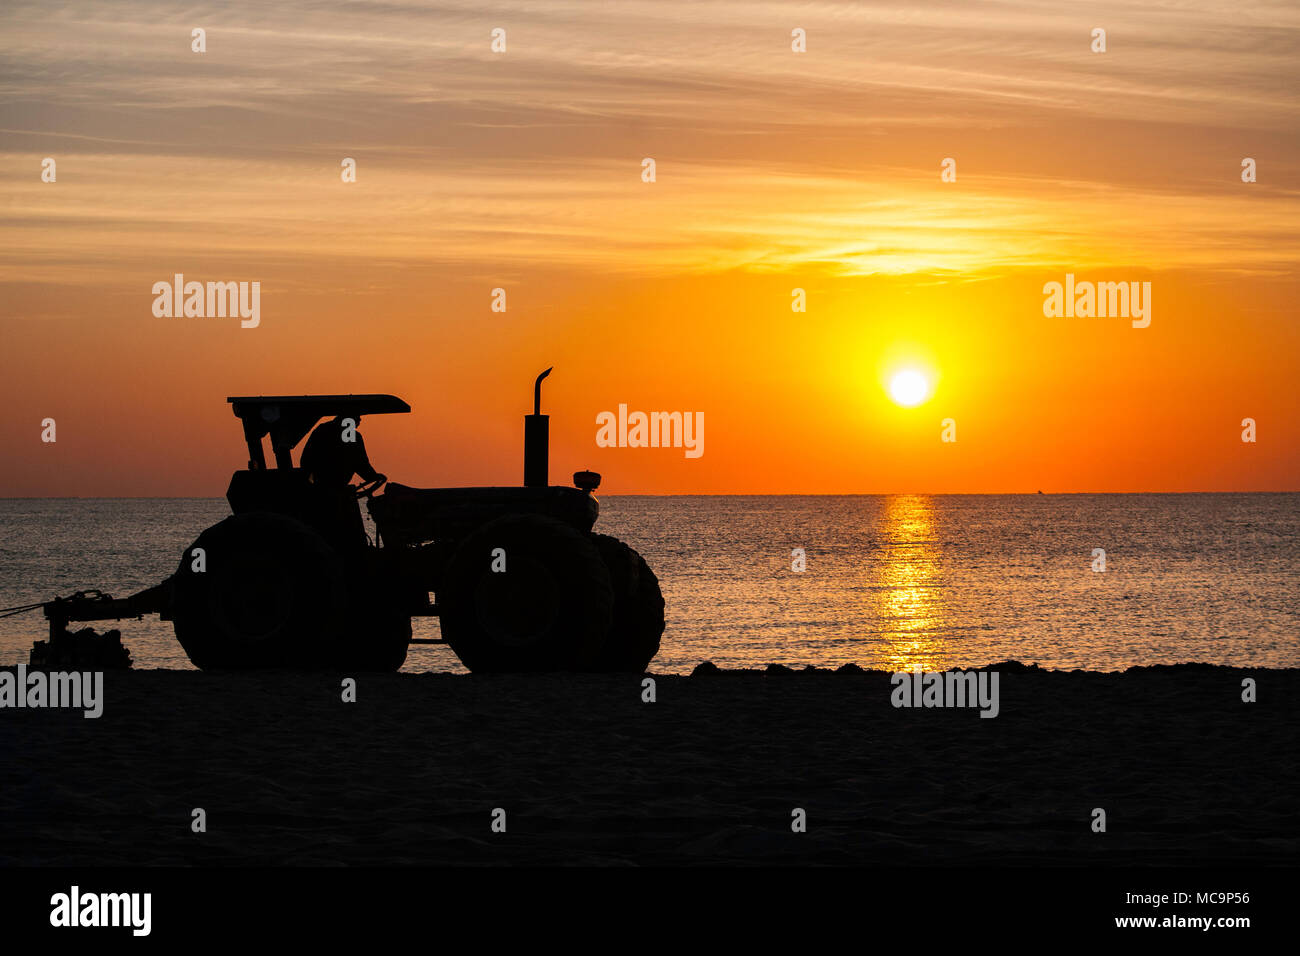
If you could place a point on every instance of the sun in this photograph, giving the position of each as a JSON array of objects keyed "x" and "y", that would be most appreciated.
[{"x": 909, "y": 387}]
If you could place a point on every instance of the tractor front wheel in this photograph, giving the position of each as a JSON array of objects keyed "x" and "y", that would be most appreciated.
[
  {"x": 525, "y": 593},
  {"x": 638, "y": 620}
]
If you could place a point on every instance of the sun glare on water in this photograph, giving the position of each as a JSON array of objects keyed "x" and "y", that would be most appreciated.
[{"x": 909, "y": 387}]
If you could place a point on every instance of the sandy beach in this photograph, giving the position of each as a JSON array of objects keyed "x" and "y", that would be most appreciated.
[{"x": 709, "y": 773}]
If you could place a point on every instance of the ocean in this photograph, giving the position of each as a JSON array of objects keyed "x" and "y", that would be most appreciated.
[{"x": 889, "y": 582}]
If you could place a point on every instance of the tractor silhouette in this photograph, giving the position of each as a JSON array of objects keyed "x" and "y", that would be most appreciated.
[{"x": 290, "y": 580}]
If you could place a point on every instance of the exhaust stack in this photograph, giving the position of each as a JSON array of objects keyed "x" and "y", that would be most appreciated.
[{"x": 537, "y": 441}]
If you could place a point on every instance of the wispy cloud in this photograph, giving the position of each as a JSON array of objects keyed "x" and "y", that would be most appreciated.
[{"x": 768, "y": 159}]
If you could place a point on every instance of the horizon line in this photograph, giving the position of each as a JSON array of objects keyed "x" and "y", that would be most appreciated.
[{"x": 742, "y": 494}]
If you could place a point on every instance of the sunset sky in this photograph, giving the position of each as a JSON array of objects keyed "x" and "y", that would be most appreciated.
[{"x": 775, "y": 170}]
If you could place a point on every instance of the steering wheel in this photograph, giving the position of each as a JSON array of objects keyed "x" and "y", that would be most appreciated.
[{"x": 367, "y": 488}]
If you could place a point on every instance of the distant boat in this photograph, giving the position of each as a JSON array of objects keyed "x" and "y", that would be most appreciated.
[{"x": 1040, "y": 491}]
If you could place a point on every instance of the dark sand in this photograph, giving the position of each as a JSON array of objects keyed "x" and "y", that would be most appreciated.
[{"x": 1187, "y": 773}]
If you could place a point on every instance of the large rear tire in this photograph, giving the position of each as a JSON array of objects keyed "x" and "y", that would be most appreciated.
[
  {"x": 549, "y": 609},
  {"x": 271, "y": 593},
  {"x": 638, "y": 620}
]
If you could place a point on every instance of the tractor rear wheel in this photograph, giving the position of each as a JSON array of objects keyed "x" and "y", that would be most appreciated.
[
  {"x": 638, "y": 620},
  {"x": 264, "y": 591},
  {"x": 525, "y": 593}
]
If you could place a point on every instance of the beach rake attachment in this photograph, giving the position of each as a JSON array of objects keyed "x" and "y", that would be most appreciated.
[{"x": 87, "y": 648}]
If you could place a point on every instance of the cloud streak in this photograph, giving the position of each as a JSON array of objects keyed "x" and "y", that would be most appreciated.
[{"x": 768, "y": 160}]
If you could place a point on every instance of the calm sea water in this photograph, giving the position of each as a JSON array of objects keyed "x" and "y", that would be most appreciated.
[{"x": 944, "y": 581}]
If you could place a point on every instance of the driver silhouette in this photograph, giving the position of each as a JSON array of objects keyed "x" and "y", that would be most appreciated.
[{"x": 333, "y": 454}]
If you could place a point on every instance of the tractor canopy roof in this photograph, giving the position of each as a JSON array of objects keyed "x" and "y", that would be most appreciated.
[{"x": 288, "y": 418}]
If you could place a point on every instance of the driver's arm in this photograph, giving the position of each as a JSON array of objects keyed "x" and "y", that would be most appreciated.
[{"x": 363, "y": 467}]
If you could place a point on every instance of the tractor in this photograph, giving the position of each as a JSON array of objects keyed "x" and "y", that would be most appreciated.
[{"x": 290, "y": 579}]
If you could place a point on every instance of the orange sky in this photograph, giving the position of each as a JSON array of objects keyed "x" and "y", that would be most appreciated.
[{"x": 775, "y": 170}]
